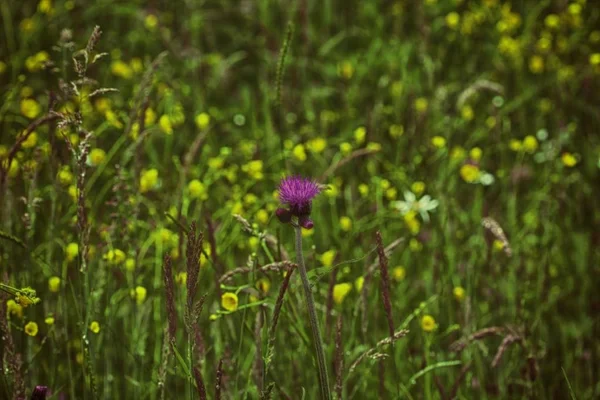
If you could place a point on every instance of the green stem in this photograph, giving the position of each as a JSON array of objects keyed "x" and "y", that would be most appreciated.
[
  {"x": 191, "y": 365},
  {"x": 312, "y": 314}
]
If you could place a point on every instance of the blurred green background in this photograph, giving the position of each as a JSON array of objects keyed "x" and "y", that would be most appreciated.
[{"x": 465, "y": 131}]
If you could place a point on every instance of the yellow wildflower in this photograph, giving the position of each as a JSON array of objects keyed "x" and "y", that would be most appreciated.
[
  {"x": 345, "y": 148},
  {"x": 229, "y": 301},
  {"x": 498, "y": 245},
  {"x": 250, "y": 199},
  {"x": 165, "y": 124},
  {"x": 49, "y": 320},
  {"x": 202, "y": 120},
  {"x": 418, "y": 187},
  {"x": 411, "y": 221},
  {"x": 102, "y": 105},
  {"x": 72, "y": 190},
  {"x": 345, "y": 223},
  {"x": 391, "y": 193},
  {"x": 568, "y": 160},
  {"x": 115, "y": 256},
  {"x": 509, "y": 46},
  {"x": 396, "y": 131},
  {"x": 421, "y": 105},
  {"x": 475, "y": 153},
  {"x": 470, "y": 173},
  {"x": 552, "y": 21},
  {"x": 197, "y": 190},
  {"x": 14, "y": 308},
  {"x": 130, "y": 264},
  {"x": 151, "y": 21},
  {"x": 139, "y": 294},
  {"x": 328, "y": 257},
  {"x": 31, "y": 328},
  {"x": 121, "y": 69},
  {"x": 215, "y": 163},
  {"x": 36, "y": 62},
  {"x": 574, "y": 8},
  {"x": 536, "y": 64},
  {"x": 363, "y": 189},
  {"x": 340, "y": 291},
  {"x": 358, "y": 283},
  {"x": 148, "y": 180},
  {"x": 149, "y": 117},
  {"x": 95, "y": 326},
  {"x": 30, "y": 108},
  {"x": 136, "y": 65},
  {"x": 467, "y": 113},
  {"x": 166, "y": 236},
  {"x": 530, "y": 144},
  {"x": 97, "y": 157},
  {"x": 457, "y": 153},
  {"x": 31, "y": 141},
  {"x": 254, "y": 169},
  {"x": 113, "y": 119},
  {"x": 459, "y": 293},
  {"x": 373, "y": 146},
  {"x": 253, "y": 243},
  {"x": 428, "y": 323},
  {"x": 74, "y": 139},
  {"x": 45, "y": 7},
  {"x": 13, "y": 170},
  {"x": 515, "y": 145},
  {"x": 544, "y": 44},
  {"x": 452, "y": 20},
  {"x": 263, "y": 284},
  {"x": 65, "y": 176},
  {"x": 438, "y": 141},
  {"x": 360, "y": 135},
  {"x": 346, "y": 69},
  {"x": 316, "y": 145},
  {"x": 54, "y": 284},
  {"x": 397, "y": 88},
  {"x": 399, "y": 273}
]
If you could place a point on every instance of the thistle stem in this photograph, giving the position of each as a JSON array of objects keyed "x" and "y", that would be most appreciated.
[{"x": 312, "y": 315}]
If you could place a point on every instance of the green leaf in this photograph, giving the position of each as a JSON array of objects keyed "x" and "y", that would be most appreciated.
[{"x": 181, "y": 361}]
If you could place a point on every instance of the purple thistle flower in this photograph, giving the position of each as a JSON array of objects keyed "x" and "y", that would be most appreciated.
[{"x": 297, "y": 193}]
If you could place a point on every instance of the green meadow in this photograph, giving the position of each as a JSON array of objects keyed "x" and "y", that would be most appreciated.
[{"x": 266, "y": 199}]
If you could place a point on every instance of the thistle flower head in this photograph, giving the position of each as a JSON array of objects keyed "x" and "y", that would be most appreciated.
[{"x": 297, "y": 193}]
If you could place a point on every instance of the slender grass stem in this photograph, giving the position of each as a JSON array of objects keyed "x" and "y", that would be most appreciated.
[{"x": 312, "y": 315}]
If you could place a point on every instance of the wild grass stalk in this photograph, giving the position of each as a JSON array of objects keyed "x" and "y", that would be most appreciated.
[
  {"x": 219, "y": 380},
  {"x": 273, "y": 328},
  {"x": 313, "y": 320},
  {"x": 192, "y": 309},
  {"x": 339, "y": 359}
]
